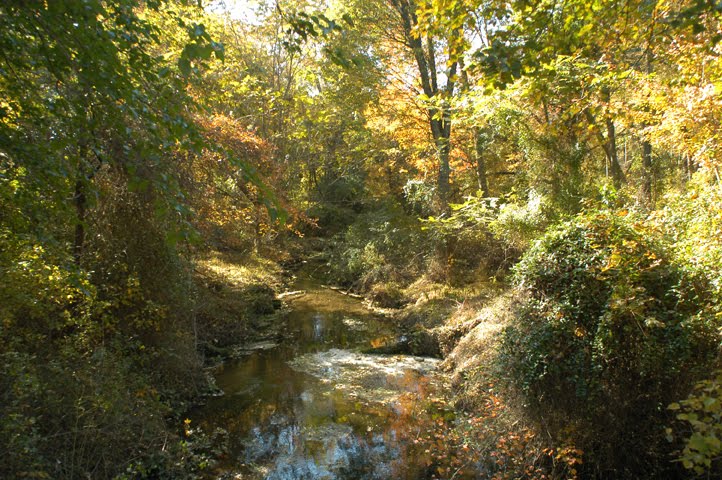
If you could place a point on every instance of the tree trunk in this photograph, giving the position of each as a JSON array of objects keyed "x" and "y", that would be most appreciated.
[
  {"x": 481, "y": 176},
  {"x": 608, "y": 143},
  {"x": 443, "y": 148},
  {"x": 611, "y": 143},
  {"x": 257, "y": 229},
  {"x": 647, "y": 193},
  {"x": 479, "y": 144},
  {"x": 618, "y": 176},
  {"x": 439, "y": 114},
  {"x": 80, "y": 202}
]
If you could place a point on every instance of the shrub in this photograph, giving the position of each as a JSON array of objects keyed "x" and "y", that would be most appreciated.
[
  {"x": 518, "y": 223},
  {"x": 382, "y": 245},
  {"x": 329, "y": 218},
  {"x": 693, "y": 221},
  {"x": 606, "y": 336},
  {"x": 419, "y": 197},
  {"x": 701, "y": 414},
  {"x": 489, "y": 234},
  {"x": 94, "y": 356}
]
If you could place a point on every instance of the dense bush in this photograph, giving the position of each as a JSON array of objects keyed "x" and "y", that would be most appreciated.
[
  {"x": 382, "y": 245},
  {"x": 694, "y": 223},
  {"x": 607, "y": 335},
  {"x": 700, "y": 422},
  {"x": 77, "y": 398},
  {"x": 329, "y": 219},
  {"x": 95, "y": 355},
  {"x": 488, "y": 235},
  {"x": 419, "y": 197},
  {"x": 337, "y": 199}
]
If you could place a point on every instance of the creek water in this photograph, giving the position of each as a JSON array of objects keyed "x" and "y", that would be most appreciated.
[{"x": 313, "y": 406}]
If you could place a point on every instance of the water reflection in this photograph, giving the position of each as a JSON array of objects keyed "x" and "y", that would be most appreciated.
[
  {"x": 312, "y": 408},
  {"x": 318, "y": 320}
]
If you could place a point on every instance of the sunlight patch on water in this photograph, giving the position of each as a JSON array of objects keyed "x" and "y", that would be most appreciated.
[
  {"x": 371, "y": 378},
  {"x": 355, "y": 324}
]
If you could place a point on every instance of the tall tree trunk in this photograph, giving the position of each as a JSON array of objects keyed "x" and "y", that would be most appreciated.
[
  {"x": 439, "y": 112},
  {"x": 479, "y": 144},
  {"x": 443, "y": 148},
  {"x": 608, "y": 142},
  {"x": 615, "y": 168},
  {"x": 439, "y": 115},
  {"x": 610, "y": 149},
  {"x": 647, "y": 193},
  {"x": 479, "y": 152},
  {"x": 80, "y": 202},
  {"x": 257, "y": 227}
]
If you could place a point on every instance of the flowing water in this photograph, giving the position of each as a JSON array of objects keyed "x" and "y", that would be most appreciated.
[{"x": 314, "y": 407}]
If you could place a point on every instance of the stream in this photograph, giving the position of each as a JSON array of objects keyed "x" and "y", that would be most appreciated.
[{"x": 314, "y": 407}]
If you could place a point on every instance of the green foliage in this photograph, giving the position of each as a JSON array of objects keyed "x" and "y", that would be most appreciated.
[
  {"x": 517, "y": 224},
  {"x": 201, "y": 48},
  {"x": 346, "y": 190},
  {"x": 95, "y": 318},
  {"x": 607, "y": 334},
  {"x": 693, "y": 221},
  {"x": 701, "y": 413},
  {"x": 84, "y": 362},
  {"x": 105, "y": 157},
  {"x": 191, "y": 456},
  {"x": 382, "y": 245},
  {"x": 303, "y": 26},
  {"x": 490, "y": 233},
  {"x": 85, "y": 89},
  {"x": 329, "y": 218},
  {"x": 100, "y": 403},
  {"x": 419, "y": 196}
]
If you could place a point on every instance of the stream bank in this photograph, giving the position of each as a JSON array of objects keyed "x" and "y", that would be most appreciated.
[
  {"x": 313, "y": 405},
  {"x": 330, "y": 372}
]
